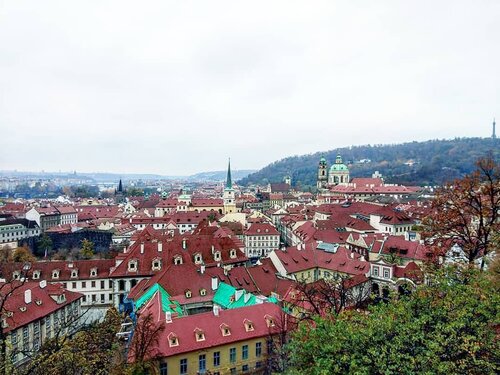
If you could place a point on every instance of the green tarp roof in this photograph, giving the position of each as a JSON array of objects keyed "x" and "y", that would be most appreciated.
[{"x": 166, "y": 303}]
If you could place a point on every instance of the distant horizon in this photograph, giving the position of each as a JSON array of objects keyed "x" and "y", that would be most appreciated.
[{"x": 69, "y": 172}]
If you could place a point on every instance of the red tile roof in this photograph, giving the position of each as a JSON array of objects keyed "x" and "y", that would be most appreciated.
[
  {"x": 41, "y": 305},
  {"x": 184, "y": 328}
]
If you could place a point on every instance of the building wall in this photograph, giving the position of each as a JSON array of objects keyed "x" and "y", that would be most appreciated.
[
  {"x": 27, "y": 339},
  {"x": 253, "y": 361},
  {"x": 261, "y": 245}
]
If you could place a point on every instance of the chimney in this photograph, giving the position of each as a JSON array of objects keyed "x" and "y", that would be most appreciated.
[
  {"x": 184, "y": 244},
  {"x": 142, "y": 247},
  {"x": 216, "y": 309},
  {"x": 160, "y": 246},
  {"x": 43, "y": 284},
  {"x": 27, "y": 296},
  {"x": 202, "y": 269},
  {"x": 213, "y": 249},
  {"x": 168, "y": 317},
  {"x": 215, "y": 283}
]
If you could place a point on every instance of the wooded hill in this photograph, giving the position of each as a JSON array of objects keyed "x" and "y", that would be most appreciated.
[{"x": 413, "y": 163}]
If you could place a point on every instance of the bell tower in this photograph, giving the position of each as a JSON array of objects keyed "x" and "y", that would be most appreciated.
[
  {"x": 322, "y": 179},
  {"x": 228, "y": 195}
]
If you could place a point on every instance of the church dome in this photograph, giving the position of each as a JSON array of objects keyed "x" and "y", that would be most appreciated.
[{"x": 339, "y": 166}]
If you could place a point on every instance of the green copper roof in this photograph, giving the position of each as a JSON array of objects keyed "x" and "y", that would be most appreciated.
[
  {"x": 339, "y": 166},
  {"x": 166, "y": 303}
]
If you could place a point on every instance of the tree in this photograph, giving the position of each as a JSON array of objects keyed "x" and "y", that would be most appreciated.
[
  {"x": 23, "y": 255},
  {"x": 93, "y": 350},
  {"x": 87, "y": 251},
  {"x": 328, "y": 296},
  {"x": 448, "y": 327},
  {"x": 467, "y": 212},
  {"x": 45, "y": 244},
  {"x": 145, "y": 337}
]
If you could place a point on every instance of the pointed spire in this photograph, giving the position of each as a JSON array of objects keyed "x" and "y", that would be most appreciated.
[
  {"x": 229, "y": 182},
  {"x": 494, "y": 135},
  {"x": 120, "y": 186}
]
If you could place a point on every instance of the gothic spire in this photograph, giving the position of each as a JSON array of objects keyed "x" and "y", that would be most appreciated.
[
  {"x": 120, "y": 186},
  {"x": 229, "y": 182}
]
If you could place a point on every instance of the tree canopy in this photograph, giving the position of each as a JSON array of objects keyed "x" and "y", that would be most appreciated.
[{"x": 449, "y": 327}]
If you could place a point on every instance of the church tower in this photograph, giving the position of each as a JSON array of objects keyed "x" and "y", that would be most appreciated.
[
  {"x": 228, "y": 195},
  {"x": 339, "y": 173},
  {"x": 494, "y": 135},
  {"x": 322, "y": 179},
  {"x": 120, "y": 194}
]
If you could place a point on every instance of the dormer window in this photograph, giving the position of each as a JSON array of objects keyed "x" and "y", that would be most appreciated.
[
  {"x": 232, "y": 253},
  {"x": 199, "y": 334},
  {"x": 74, "y": 274},
  {"x": 269, "y": 321},
  {"x": 173, "y": 340},
  {"x": 38, "y": 302},
  {"x": 198, "y": 259},
  {"x": 178, "y": 260},
  {"x": 203, "y": 292},
  {"x": 15, "y": 275},
  {"x": 188, "y": 294},
  {"x": 156, "y": 265},
  {"x": 22, "y": 308},
  {"x": 248, "y": 325},
  {"x": 226, "y": 331},
  {"x": 93, "y": 272},
  {"x": 36, "y": 275},
  {"x": 217, "y": 255},
  {"x": 132, "y": 265},
  {"x": 55, "y": 274}
]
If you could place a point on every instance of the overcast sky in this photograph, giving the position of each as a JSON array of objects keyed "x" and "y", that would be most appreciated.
[{"x": 177, "y": 87}]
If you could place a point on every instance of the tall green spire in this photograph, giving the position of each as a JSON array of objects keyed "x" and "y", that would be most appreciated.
[{"x": 229, "y": 182}]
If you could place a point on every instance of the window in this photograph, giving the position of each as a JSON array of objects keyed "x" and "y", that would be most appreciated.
[
  {"x": 92, "y": 284},
  {"x": 232, "y": 355},
  {"x": 172, "y": 339},
  {"x": 132, "y": 265},
  {"x": 84, "y": 284},
  {"x": 375, "y": 271},
  {"x": 188, "y": 293},
  {"x": 93, "y": 272},
  {"x": 248, "y": 325},
  {"x": 216, "y": 359},
  {"x": 203, "y": 292},
  {"x": 233, "y": 370},
  {"x": 202, "y": 363},
  {"x": 103, "y": 296},
  {"x": 183, "y": 366},
  {"x": 74, "y": 274},
  {"x": 102, "y": 284},
  {"x": 73, "y": 285},
  {"x": 244, "y": 368},
  {"x": 233, "y": 253},
  {"x": 244, "y": 352},
  {"x": 258, "y": 364},
  {"x": 200, "y": 335},
  {"x": 55, "y": 274},
  {"x": 258, "y": 349},
  {"x": 217, "y": 255},
  {"x": 156, "y": 265},
  {"x": 386, "y": 273},
  {"x": 225, "y": 330}
]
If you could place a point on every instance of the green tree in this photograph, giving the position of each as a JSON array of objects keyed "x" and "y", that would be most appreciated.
[
  {"x": 87, "y": 250},
  {"x": 45, "y": 244},
  {"x": 446, "y": 328}
]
